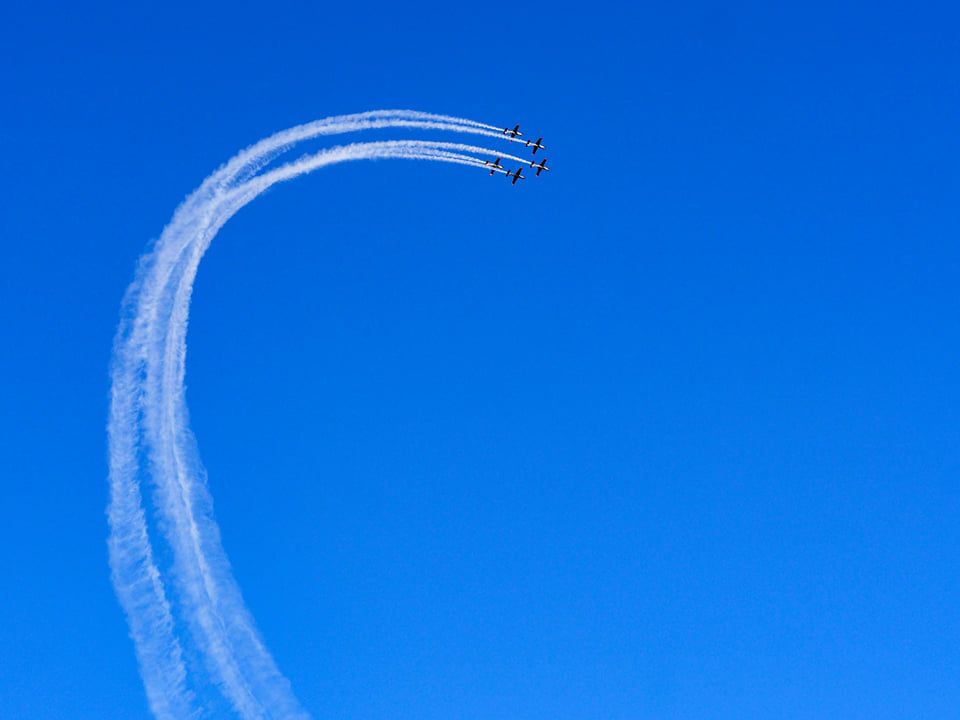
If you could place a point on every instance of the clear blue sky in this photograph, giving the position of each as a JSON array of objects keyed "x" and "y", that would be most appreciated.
[{"x": 670, "y": 433}]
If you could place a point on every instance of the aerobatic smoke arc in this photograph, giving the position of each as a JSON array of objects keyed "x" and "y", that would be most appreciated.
[{"x": 191, "y": 629}]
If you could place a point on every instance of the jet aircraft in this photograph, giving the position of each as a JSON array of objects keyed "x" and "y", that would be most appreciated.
[
  {"x": 516, "y": 175},
  {"x": 494, "y": 166},
  {"x": 540, "y": 166}
]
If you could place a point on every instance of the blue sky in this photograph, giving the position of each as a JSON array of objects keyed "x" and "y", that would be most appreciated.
[{"x": 671, "y": 432}]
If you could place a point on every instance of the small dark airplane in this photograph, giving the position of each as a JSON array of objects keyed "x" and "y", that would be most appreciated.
[
  {"x": 494, "y": 166},
  {"x": 540, "y": 166},
  {"x": 536, "y": 145},
  {"x": 515, "y": 175},
  {"x": 514, "y": 133}
]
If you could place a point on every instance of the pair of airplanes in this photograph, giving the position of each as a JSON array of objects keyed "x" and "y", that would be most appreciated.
[
  {"x": 515, "y": 133},
  {"x": 541, "y": 166}
]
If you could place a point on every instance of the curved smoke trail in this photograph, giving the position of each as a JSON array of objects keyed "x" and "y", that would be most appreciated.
[{"x": 190, "y": 626}]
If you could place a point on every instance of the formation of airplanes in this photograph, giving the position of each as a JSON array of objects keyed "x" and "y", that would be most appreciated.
[{"x": 517, "y": 175}]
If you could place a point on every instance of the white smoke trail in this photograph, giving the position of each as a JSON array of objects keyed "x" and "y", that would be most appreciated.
[
  {"x": 149, "y": 437},
  {"x": 255, "y": 156},
  {"x": 214, "y": 607},
  {"x": 249, "y": 161},
  {"x": 404, "y": 148}
]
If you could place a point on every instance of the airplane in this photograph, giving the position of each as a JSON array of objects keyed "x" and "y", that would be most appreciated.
[
  {"x": 536, "y": 145},
  {"x": 516, "y": 175},
  {"x": 540, "y": 166},
  {"x": 494, "y": 166},
  {"x": 514, "y": 133}
]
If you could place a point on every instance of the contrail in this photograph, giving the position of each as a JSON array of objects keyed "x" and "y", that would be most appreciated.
[
  {"x": 190, "y": 626},
  {"x": 414, "y": 149},
  {"x": 249, "y": 161},
  {"x": 255, "y": 156}
]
